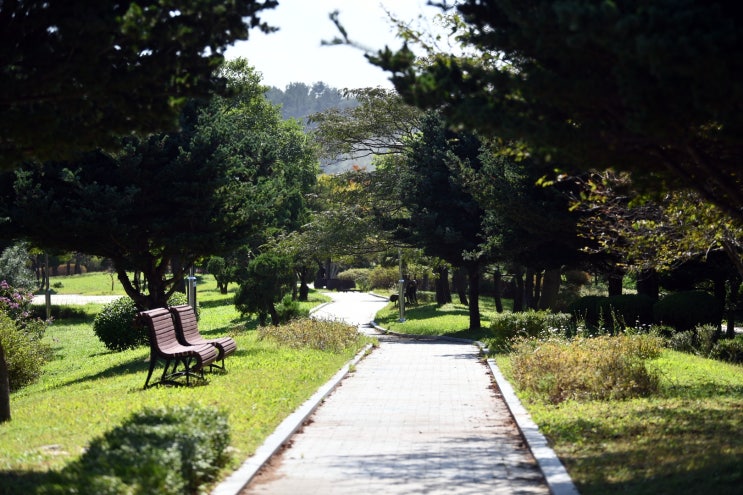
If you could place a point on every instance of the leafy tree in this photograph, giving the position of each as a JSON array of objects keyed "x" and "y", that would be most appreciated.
[
  {"x": 443, "y": 218},
  {"x": 268, "y": 278},
  {"x": 78, "y": 75},
  {"x": 14, "y": 268},
  {"x": 652, "y": 88},
  {"x": 233, "y": 172}
]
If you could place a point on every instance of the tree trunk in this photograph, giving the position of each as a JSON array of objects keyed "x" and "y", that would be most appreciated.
[
  {"x": 537, "y": 288},
  {"x": 550, "y": 289},
  {"x": 4, "y": 388},
  {"x": 304, "y": 290},
  {"x": 647, "y": 284},
  {"x": 518, "y": 296},
  {"x": 498, "y": 292},
  {"x": 460, "y": 284},
  {"x": 274, "y": 315},
  {"x": 615, "y": 284},
  {"x": 176, "y": 265},
  {"x": 733, "y": 305},
  {"x": 529, "y": 301},
  {"x": 473, "y": 277},
  {"x": 443, "y": 294}
]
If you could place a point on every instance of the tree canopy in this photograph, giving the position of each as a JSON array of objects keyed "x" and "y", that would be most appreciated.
[
  {"x": 235, "y": 171},
  {"x": 650, "y": 87},
  {"x": 77, "y": 74}
]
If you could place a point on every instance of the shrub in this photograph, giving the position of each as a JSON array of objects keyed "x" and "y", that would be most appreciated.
[
  {"x": 615, "y": 313},
  {"x": 361, "y": 277},
  {"x": 688, "y": 309},
  {"x": 730, "y": 350},
  {"x": 289, "y": 309},
  {"x": 25, "y": 353},
  {"x": 324, "y": 335},
  {"x": 384, "y": 278},
  {"x": 117, "y": 325},
  {"x": 172, "y": 450},
  {"x": 597, "y": 368},
  {"x": 508, "y": 326}
]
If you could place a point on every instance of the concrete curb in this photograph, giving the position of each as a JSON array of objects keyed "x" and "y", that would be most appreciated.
[
  {"x": 557, "y": 478},
  {"x": 240, "y": 478}
]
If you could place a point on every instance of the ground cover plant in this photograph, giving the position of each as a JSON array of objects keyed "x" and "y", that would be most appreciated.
[
  {"x": 87, "y": 390},
  {"x": 687, "y": 437}
]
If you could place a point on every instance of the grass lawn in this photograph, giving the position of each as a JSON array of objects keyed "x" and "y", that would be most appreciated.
[
  {"x": 87, "y": 390},
  {"x": 688, "y": 439}
]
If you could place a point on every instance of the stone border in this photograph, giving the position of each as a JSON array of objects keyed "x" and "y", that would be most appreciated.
[{"x": 239, "y": 479}]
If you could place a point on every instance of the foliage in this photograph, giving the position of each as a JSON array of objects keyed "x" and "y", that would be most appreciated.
[
  {"x": 233, "y": 172},
  {"x": 507, "y": 327},
  {"x": 118, "y": 327},
  {"x": 701, "y": 340},
  {"x": 299, "y": 101},
  {"x": 324, "y": 335},
  {"x": 600, "y": 368},
  {"x": 217, "y": 266},
  {"x": 289, "y": 309},
  {"x": 14, "y": 269},
  {"x": 686, "y": 309},
  {"x": 384, "y": 277},
  {"x": 361, "y": 277},
  {"x": 25, "y": 352},
  {"x": 730, "y": 350},
  {"x": 78, "y": 75},
  {"x": 169, "y": 450},
  {"x": 613, "y": 313},
  {"x": 268, "y": 278},
  {"x": 581, "y": 84}
]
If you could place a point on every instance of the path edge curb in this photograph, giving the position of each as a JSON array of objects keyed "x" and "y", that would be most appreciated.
[{"x": 240, "y": 478}]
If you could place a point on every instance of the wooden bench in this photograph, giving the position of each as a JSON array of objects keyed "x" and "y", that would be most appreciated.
[
  {"x": 187, "y": 331},
  {"x": 164, "y": 345}
]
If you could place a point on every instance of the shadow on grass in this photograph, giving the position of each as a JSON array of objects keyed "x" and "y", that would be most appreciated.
[{"x": 24, "y": 482}]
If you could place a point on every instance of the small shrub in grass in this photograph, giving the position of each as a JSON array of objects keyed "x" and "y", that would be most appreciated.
[
  {"x": 171, "y": 450},
  {"x": 25, "y": 353},
  {"x": 289, "y": 309},
  {"x": 333, "y": 336},
  {"x": 600, "y": 368},
  {"x": 508, "y": 326},
  {"x": 730, "y": 350},
  {"x": 384, "y": 277},
  {"x": 117, "y": 327}
]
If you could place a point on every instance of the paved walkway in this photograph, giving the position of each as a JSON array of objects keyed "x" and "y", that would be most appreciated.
[{"x": 413, "y": 417}]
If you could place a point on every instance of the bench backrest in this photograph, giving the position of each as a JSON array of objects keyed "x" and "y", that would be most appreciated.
[
  {"x": 162, "y": 329},
  {"x": 186, "y": 322}
]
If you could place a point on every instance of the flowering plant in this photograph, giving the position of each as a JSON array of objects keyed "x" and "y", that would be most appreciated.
[{"x": 15, "y": 302}]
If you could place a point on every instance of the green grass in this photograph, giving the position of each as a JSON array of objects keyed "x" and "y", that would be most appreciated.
[
  {"x": 88, "y": 284},
  {"x": 428, "y": 319},
  {"x": 686, "y": 439},
  {"x": 87, "y": 390}
]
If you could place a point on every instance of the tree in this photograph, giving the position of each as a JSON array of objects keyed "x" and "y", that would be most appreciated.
[
  {"x": 14, "y": 266},
  {"x": 443, "y": 218},
  {"x": 269, "y": 277},
  {"x": 653, "y": 88},
  {"x": 79, "y": 75},
  {"x": 234, "y": 172}
]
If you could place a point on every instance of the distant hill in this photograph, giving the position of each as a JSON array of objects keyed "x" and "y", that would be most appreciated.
[{"x": 299, "y": 101}]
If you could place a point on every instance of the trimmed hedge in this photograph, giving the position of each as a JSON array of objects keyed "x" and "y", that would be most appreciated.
[
  {"x": 613, "y": 313},
  {"x": 688, "y": 309},
  {"x": 169, "y": 450}
]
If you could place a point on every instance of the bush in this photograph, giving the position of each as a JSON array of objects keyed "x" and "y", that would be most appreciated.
[
  {"x": 528, "y": 324},
  {"x": 25, "y": 353},
  {"x": 117, "y": 325},
  {"x": 688, "y": 309},
  {"x": 173, "y": 450},
  {"x": 384, "y": 278},
  {"x": 361, "y": 277},
  {"x": 615, "y": 313},
  {"x": 324, "y": 335},
  {"x": 730, "y": 350},
  {"x": 289, "y": 309},
  {"x": 597, "y": 368}
]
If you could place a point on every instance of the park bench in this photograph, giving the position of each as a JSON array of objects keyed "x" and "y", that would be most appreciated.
[
  {"x": 187, "y": 331},
  {"x": 164, "y": 346}
]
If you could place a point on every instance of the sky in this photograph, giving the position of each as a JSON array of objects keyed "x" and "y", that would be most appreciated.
[{"x": 294, "y": 53}]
